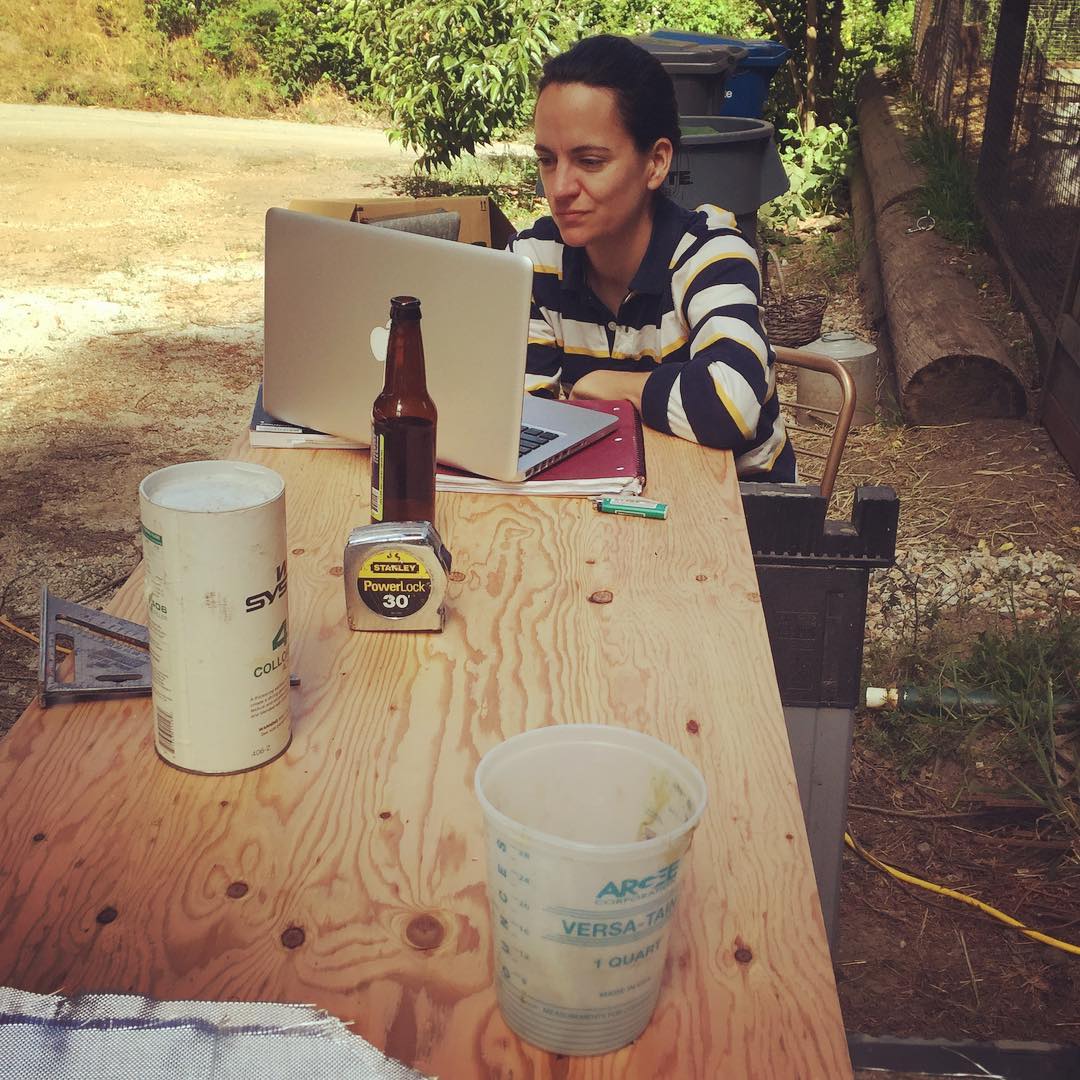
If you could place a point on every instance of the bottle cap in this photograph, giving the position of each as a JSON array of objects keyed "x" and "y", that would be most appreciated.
[{"x": 405, "y": 307}]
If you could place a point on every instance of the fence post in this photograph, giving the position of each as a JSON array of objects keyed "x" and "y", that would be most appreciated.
[{"x": 1001, "y": 99}]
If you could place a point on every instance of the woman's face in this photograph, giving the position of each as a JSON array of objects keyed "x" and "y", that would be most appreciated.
[{"x": 598, "y": 184}]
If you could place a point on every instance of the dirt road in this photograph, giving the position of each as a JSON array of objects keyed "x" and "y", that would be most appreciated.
[{"x": 131, "y": 321}]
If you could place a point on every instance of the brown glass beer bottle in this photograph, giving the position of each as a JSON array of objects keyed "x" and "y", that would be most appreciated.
[{"x": 403, "y": 425}]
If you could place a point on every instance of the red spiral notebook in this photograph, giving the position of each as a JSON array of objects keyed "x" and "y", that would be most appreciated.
[{"x": 614, "y": 465}]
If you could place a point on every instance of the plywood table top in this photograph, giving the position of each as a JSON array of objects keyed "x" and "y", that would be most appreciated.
[{"x": 308, "y": 880}]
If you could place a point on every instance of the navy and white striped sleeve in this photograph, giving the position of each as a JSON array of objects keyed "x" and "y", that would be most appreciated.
[
  {"x": 715, "y": 397},
  {"x": 544, "y": 356}
]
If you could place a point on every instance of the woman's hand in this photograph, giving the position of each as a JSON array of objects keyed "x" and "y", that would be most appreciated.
[{"x": 611, "y": 386}]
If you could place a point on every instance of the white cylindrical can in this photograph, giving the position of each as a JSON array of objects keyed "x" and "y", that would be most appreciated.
[{"x": 216, "y": 579}]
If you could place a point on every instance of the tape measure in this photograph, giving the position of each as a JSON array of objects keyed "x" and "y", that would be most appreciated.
[{"x": 396, "y": 575}]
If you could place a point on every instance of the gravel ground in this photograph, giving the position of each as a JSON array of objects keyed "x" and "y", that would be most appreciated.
[{"x": 927, "y": 581}]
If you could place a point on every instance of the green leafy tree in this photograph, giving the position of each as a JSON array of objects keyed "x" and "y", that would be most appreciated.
[
  {"x": 726, "y": 18},
  {"x": 297, "y": 42},
  {"x": 831, "y": 42},
  {"x": 810, "y": 29},
  {"x": 458, "y": 74}
]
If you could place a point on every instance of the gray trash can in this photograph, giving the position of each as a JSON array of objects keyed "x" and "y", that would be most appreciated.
[
  {"x": 699, "y": 71},
  {"x": 747, "y": 87},
  {"x": 731, "y": 161}
]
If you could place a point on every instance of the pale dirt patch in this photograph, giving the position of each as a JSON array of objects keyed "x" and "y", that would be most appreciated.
[{"x": 131, "y": 316}]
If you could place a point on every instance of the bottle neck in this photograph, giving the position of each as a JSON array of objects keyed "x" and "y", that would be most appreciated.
[{"x": 405, "y": 374}]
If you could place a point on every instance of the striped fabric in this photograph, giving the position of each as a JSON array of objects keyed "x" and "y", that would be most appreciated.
[{"x": 692, "y": 318}]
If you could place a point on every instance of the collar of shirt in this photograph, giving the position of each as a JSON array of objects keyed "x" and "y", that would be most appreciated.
[{"x": 653, "y": 275}]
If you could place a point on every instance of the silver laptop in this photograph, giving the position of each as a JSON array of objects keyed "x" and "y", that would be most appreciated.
[{"x": 327, "y": 307}]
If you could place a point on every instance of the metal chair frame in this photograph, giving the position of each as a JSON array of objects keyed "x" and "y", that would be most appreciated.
[{"x": 840, "y": 418}]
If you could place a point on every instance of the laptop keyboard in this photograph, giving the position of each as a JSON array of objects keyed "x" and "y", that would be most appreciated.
[{"x": 532, "y": 438}]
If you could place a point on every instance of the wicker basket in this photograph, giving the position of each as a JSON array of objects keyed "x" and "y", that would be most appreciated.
[{"x": 792, "y": 321}]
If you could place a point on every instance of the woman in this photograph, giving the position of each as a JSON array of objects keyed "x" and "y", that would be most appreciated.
[{"x": 633, "y": 296}]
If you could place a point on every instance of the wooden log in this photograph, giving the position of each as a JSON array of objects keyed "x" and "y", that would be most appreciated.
[
  {"x": 871, "y": 293},
  {"x": 891, "y": 172},
  {"x": 950, "y": 365},
  {"x": 868, "y": 267}
]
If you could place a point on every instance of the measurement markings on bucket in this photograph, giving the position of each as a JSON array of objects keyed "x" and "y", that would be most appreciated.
[{"x": 622, "y": 935}]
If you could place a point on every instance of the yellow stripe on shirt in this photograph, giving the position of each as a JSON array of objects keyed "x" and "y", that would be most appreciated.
[
  {"x": 721, "y": 336},
  {"x": 699, "y": 267},
  {"x": 677, "y": 344},
  {"x": 740, "y": 420},
  {"x": 580, "y": 350}
]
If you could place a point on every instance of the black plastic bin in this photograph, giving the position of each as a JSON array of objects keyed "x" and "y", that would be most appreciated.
[{"x": 813, "y": 576}]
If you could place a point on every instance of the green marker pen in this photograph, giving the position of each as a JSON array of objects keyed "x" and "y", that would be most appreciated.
[{"x": 632, "y": 505}]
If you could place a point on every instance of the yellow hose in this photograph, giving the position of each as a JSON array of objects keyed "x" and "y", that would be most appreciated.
[
  {"x": 910, "y": 879},
  {"x": 7, "y": 624}
]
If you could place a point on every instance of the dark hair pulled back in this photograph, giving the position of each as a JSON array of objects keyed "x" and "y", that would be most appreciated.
[{"x": 643, "y": 90}]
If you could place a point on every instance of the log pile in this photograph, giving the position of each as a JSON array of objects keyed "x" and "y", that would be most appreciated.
[{"x": 950, "y": 365}]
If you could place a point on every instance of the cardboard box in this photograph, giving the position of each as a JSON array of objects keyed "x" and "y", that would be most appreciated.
[{"x": 482, "y": 222}]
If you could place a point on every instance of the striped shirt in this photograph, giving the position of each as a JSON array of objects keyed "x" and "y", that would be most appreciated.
[{"x": 692, "y": 319}]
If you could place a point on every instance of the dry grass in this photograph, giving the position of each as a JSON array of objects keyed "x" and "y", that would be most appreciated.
[
  {"x": 107, "y": 53},
  {"x": 1001, "y": 481},
  {"x": 327, "y": 104}
]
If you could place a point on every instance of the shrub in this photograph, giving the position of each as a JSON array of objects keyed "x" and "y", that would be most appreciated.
[
  {"x": 178, "y": 18},
  {"x": 870, "y": 36},
  {"x": 816, "y": 163},
  {"x": 727, "y": 18},
  {"x": 237, "y": 35},
  {"x": 317, "y": 40}
]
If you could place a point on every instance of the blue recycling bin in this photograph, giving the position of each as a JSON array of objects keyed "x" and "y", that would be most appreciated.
[{"x": 747, "y": 87}]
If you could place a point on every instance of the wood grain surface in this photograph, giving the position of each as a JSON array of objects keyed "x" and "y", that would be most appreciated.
[{"x": 349, "y": 873}]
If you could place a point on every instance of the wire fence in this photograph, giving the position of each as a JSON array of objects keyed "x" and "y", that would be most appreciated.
[{"x": 1004, "y": 76}]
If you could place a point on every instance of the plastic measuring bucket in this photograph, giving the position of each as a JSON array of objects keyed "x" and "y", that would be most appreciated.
[
  {"x": 587, "y": 825},
  {"x": 818, "y": 389}
]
